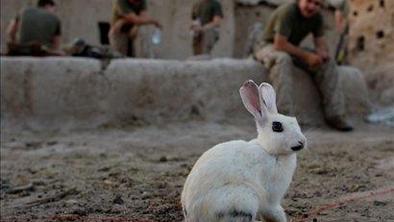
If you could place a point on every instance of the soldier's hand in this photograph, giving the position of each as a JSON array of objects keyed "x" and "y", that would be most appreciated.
[
  {"x": 196, "y": 28},
  {"x": 314, "y": 60},
  {"x": 323, "y": 55},
  {"x": 158, "y": 25}
]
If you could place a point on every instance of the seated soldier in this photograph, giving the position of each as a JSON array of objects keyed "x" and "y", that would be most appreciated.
[
  {"x": 127, "y": 15},
  {"x": 287, "y": 27},
  {"x": 207, "y": 16},
  {"x": 37, "y": 28}
]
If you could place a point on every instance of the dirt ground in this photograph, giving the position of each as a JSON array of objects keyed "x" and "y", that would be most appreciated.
[{"x": 136, "y": 174}]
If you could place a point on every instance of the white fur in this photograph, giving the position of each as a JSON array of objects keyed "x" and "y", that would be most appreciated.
[{"x": 239, "y": 181}]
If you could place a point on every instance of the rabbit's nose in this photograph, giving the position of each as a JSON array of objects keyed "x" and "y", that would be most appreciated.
[{"x": 300, "y": 146}]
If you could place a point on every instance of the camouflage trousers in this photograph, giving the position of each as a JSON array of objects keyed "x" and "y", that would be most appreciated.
[
  {"x": 281, "y": 66},
  {"x": 123, "y": 42},
  {"x": 204, "y": 42}
]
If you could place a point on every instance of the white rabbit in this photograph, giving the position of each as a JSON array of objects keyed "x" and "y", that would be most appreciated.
[{"x": 240, "y": 181}]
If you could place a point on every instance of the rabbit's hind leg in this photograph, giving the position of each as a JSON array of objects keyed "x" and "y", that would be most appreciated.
[
  {"x": 236, "y": 204},
  {"x": 225, "y": 204},
  {"x": 274, "y": 214},
  {"x": 235, "y": 216}
]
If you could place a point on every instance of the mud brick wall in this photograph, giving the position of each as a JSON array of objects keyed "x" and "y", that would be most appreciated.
[
  {"x": 371, "y": 46},
  {"x": 371, "y": 32}
]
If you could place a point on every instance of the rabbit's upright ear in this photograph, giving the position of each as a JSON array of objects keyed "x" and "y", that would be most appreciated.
[
  {"x": 251, "y": 99},
  {"x": 268, "y": 97}
]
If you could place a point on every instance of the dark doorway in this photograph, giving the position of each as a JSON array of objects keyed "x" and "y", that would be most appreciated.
[{"x": 103, "y": 32}]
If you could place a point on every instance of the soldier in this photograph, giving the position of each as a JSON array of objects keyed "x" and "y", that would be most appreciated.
[
  {"x": 207, "y": 16},
  {"x": 287, "y": 27},
  {"x": 39, "y": 30},
  {"x": 127, "y": 15}
]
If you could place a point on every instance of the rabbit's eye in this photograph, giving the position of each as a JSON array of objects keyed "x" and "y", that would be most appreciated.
[{"x": 277, "y": 127}]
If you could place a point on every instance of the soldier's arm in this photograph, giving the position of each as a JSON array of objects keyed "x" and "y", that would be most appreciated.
[
  {"x": 142, "y": 19},
  {"x": 217, "y": 16},
  {"x": 144, "y": 14},
  {"x": 282, "y": 44},
  {"x": 56, "y": 42},
  {"x": 321, "y": 48},
  {"x": 57, "y": 39},
  {"x": 55, "y": 49},
  {"x": 216, "y": 21},
  {"x": 12, "y": 30},
  {"x": 283, "y": 29},
  {"x": 129, "y": 16}
]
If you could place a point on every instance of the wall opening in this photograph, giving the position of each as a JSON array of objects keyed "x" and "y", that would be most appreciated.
[
  {"x": 380, "y": 34},
  {"x": 360, "y": 43},
  {"x": 103, "y": 32},
  {"x": 381, "y": 3}
]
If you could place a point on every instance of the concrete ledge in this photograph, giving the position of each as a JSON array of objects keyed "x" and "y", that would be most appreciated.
[
  {"x": 154, "y": 90},
  {"x": 76, "y": 93},
  {"x": 355, "y": 90},
  {"x": 308, "y": 107},
  {"x": 63, "y": 93},
  {"x": 46, "y": 92}
]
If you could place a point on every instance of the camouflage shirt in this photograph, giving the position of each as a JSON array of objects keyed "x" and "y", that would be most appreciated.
[
  {"x": 288, "y": 21},
  {"x": 206, "y": 10},
  {"x": 121, "y": 8},
  {"x": 38, "y": 26}
]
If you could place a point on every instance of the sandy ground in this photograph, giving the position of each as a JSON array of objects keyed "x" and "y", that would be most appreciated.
[{"x": 136, "y": 174}]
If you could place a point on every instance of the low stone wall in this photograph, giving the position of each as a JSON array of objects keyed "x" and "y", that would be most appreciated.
[
  {"x": 154, "y": 90},
  {"x": 63, "y": 93},
  {"x": 78, "y": 93},
  {"x": 40, "y": 93},
  {"x": 381, "y": 82}
]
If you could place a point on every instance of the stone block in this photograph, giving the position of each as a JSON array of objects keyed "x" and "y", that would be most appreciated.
[
  {"x": 43, "y": 92},
  {"x": 153, "y": 91}
]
